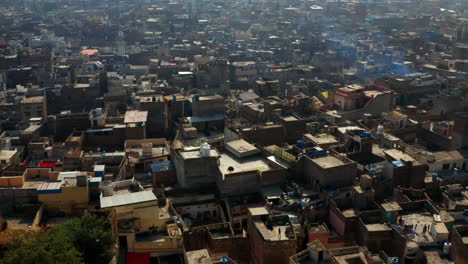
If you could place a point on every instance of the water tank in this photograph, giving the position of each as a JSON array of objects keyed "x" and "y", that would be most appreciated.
[
  {"x": 205, "y": 150},
  {"x": 174, "y": 98},
  {"x": 446, "y": 248},
  {"x": 98, "y": 111},
  {"x": 197, "y": 97},
  {"x": 260, "y": 107},
  {"x": 380, "y": 130},
  {"x": 133, "y": 94},
  {"x": 394, "y": 260}
]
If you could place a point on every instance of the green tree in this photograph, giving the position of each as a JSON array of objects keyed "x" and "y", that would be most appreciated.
[
  {"x": 39, "y": 248},
  {"x": 91, "y": 236}
]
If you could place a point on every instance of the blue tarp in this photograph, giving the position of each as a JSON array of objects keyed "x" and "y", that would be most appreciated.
[{"x": 162, "y": 166}]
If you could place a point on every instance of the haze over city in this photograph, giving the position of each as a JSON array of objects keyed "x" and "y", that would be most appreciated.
[{"x": 233, "y": 132}]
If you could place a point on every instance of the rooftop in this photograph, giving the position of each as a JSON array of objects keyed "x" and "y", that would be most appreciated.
[
  {"x": 378, "y": 227},
  {"x": 135, "y": 116},
  {"x": 391, "y": 207},
  {"x": 241, "y": 148},
  {"x": 195, "y": 154},
  {"x": 398, "y": 155},
  {"x": 448, "y": 156},
  {"x": 127, "y": 199},
  {"x": 276, "y": 228},
  {"x": 33, "y": 100},
  {"x": 329, "y": 161},
  {"x": 320, "y": 139},
  {"x": 231, "y": 164},
  {"x": 201, "y": 256},
  {"x": 7, "y": 154}
]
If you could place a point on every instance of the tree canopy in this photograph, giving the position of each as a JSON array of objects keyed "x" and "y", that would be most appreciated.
[
  {"x": 40, "y": 248},
  {"x": 91, "y": 236},
  {"x": 82, "y": 240}
]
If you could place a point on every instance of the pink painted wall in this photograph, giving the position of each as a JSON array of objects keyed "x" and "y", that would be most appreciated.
[{"x": 337, "y": 223}]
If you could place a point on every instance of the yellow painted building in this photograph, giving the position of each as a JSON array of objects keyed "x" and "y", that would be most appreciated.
[
  {"x": 66, "y": 195},
  {"x": 144, "y": 223}
]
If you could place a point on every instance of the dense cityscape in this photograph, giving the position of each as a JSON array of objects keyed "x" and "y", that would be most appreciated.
[{"x": 233, "y": 132}]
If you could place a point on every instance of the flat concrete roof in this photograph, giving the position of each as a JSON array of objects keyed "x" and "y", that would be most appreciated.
[
  {"x": 378, "y": 227},
  {"x": 201, "y": 256},
  {"x": 33, "y": 100},
  {"x": 135, "y": 116},
  {"x": 418, "y": 221},
  {"x": 276, "y": 233},
  {"x": 128, "y": 198},
  {"x": 7, "y": 154},
  {"x": 320, "y": 139},
  {"x": 399, "y": 155},
  {"x": 289, "y": 118},
  {"x": 242, "y": 148},
  {"x": 391, "y": 207},
  {"x": 328, "y": 162},
  {"x": 448, "y": 156},
  {"x": 195, "y": 154},
  {"x": 258, "y": 211},
  {"x": 227, "y": 160}
]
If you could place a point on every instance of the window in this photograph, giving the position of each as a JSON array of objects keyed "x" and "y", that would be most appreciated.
[{"x": 446, "y": 166}]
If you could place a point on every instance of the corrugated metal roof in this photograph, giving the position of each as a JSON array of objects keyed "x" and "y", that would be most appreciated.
[
  {"x": 128, "y": 198},
  {"x": 49, "y": 187}
]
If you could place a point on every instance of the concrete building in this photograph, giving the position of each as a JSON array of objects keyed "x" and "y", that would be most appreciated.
[
  {"x": 135, "y": 122},
  {"x": 144, "y": 225},
  {"x": 69, "y": 194},
  {"x": 272, "y": 237},
  {"x": 155, "y": 106},
  {"x": 197, "y": 167},
  {"x": 329, "y": 170},
  {"x": 459, "y": 244},
  {"x": 9, "y": 158},
  {"x": 243, "y": 171},
  {"x": 354, "y": 100},
  {"x": 33, "y": 107},
  {"x": 140, "y": 153},
  {"x": 460, "y": 130}
]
